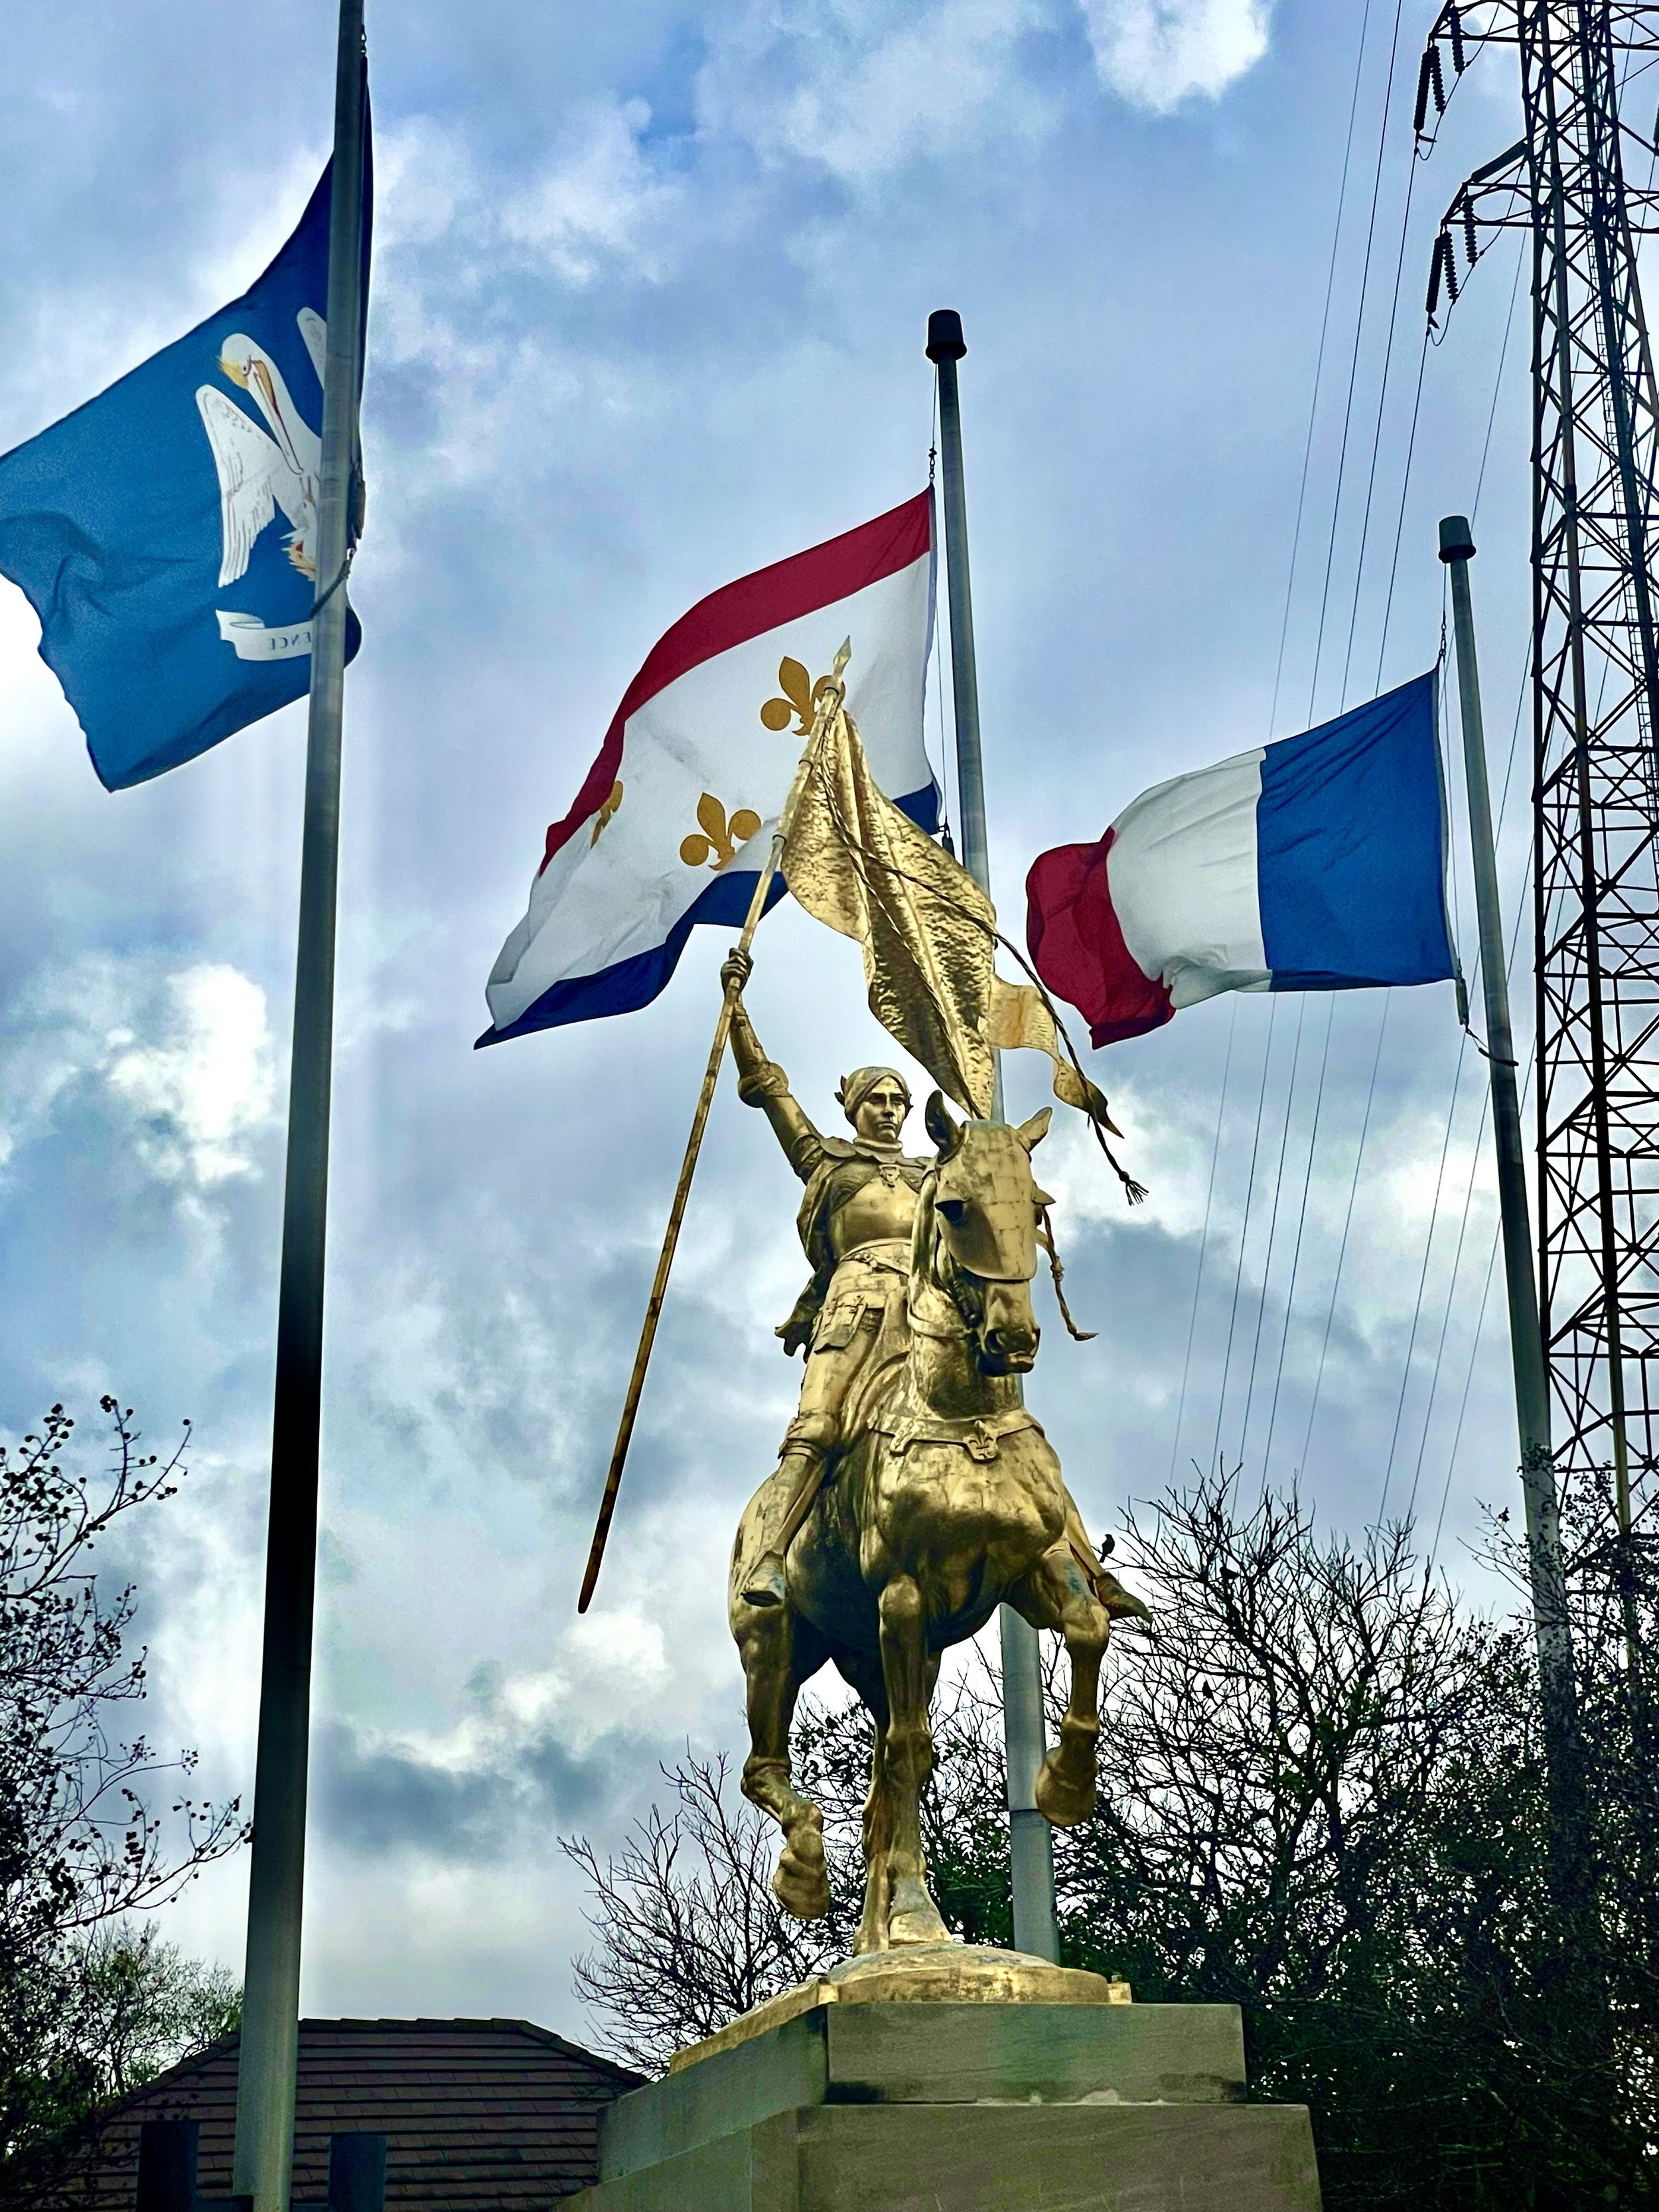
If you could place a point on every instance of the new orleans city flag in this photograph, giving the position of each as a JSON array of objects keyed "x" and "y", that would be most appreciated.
[
  {"x": 673, "y": 820},
  {"x": 165, "y": 532}
]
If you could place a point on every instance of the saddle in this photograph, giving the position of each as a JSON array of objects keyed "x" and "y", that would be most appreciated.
[{"x": 980, "y": 1435}]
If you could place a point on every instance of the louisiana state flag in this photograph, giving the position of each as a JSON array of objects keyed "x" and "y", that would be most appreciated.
[{"x": 165, "y": 533}]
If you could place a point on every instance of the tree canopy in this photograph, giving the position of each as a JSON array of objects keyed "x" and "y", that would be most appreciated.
[{"x": 91, "y": 2000}]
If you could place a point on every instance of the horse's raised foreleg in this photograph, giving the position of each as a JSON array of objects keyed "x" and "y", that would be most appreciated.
[
  {"x": 1056, "y": 1593},
  {"x": 908, "y": 1676}
]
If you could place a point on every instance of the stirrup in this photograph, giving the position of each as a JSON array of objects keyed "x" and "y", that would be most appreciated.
[{"x": 766, "y": 1585}]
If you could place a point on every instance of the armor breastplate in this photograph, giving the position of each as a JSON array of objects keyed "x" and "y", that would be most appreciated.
[{"x": 879, "y": 1209}]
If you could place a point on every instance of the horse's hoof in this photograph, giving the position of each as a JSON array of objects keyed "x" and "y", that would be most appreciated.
[
  {"x": 801, "y": 1883},
  {"x": 802, "y": 1893},
  {"x": 914, "y": 1917},
  {"x": 1063, "y": 1798}
]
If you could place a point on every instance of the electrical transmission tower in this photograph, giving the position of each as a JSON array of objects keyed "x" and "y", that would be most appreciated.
[{"x": 1595, "y": 695}]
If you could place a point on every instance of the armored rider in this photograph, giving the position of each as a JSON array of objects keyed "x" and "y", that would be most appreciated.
[{"x": 854, "y": 1223}]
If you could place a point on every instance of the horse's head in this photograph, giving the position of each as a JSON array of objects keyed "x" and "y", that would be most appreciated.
[{"x": 981, "y": 1204}]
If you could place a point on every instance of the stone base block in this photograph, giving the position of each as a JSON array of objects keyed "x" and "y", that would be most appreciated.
[
  {"x": 904, "y": 2107},
  {"x": 978, "y": 2158}
]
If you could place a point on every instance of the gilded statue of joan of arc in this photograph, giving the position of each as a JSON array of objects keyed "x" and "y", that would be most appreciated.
[{"x": 855, "y": 1222}]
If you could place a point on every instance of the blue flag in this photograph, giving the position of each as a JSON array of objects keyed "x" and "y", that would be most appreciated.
[{"x": 165, "y": 532}]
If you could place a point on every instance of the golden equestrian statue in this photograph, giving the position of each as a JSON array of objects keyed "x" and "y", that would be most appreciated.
[{"x": 914, "y": 1492}]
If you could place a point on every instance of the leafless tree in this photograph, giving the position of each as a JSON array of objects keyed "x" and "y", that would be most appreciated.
[
  {"x": 688, "y": 1931},
  {"x": 1277, "y": 1750}
]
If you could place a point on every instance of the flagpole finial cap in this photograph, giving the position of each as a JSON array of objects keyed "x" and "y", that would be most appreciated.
[
  {"x": 1457, "y": 538},
  {"x": 944, "y": 338}
]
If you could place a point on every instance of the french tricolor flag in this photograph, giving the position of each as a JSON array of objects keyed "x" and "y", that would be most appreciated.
[
  {"x": 671, "y": 824},
  {"x": 1316, "y": 863}
]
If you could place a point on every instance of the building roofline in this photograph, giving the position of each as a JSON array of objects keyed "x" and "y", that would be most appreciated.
[{"x": 183, "y": 2070}]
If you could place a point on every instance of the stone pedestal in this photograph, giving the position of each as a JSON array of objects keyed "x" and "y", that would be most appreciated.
[{"x": 872, "y": 2103}]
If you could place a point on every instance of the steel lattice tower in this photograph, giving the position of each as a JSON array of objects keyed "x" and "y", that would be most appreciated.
[{"x": 1595, "y": 700}]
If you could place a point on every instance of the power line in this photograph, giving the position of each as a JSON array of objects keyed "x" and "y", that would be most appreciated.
[
  {"x": 1468, "y": 1376},
  {"x": 1400, "y": 517},
  {"x": 1243, "y": 1236},
  {"x": 1474, "y": 1157},
  {"x": 1451, "y": 1289},
  {"x": 1353, "y": 364},
  {"x": 1319, "y": 365},
  {"x": 1273, "y": 1224},
  {"x": 1376, "y": 435},
  {"x": 1474, "y": 1348},
  {"x": 1498, "y": 381},
  {"x": 1513, "y": 745},
  {"x": 1336, "y": 508},
  {"x": 1526, "y": 1088},
  {"x": 1347, "y": 1219},
  {"x": 1204, "y": 1236},
  {"x": 1300, "y": 1219},
  {"x": 1423, "y": 1275}
]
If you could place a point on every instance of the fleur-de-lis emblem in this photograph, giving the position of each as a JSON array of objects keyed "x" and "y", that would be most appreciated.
[
  {"x": 613, "y": 800},
  {"x": 720, "y": 838},
  {"x": 800, "y": 698}
]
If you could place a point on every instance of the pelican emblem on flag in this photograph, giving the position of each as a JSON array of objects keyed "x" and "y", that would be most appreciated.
[{"x": 262, "y": 472}]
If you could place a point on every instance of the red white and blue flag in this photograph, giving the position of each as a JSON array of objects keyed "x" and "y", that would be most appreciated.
[
  {"x": 671, "y": 824},
  {"x": 1316, "y": 863}
]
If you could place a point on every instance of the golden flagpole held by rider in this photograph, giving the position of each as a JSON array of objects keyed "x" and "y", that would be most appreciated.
[{"x": 826, "y": 698}]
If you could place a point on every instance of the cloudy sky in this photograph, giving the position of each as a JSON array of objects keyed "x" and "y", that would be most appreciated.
[{"x": 650, "y": 290}]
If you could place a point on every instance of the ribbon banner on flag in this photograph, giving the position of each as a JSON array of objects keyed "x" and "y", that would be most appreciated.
[
  {"x": 1316, "y": 863},
  {"x": 672, "y": 823}
]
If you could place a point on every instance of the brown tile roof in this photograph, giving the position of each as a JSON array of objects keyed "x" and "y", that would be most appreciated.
[{"x": 479, "y": 2115}]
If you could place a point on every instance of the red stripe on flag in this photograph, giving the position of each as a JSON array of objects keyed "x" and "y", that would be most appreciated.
[
  {"x": 1076, "y": 944},
  {"x": 749, "y": 608}
]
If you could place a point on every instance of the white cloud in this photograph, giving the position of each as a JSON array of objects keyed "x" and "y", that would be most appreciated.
[
  {"x": 1158, "y": 52},
  {"x": 595, "y": 205},
  {"x": 208, "y": 1084},
  {"x": 186, "y": 1059},
  {"x": 600, "y": 205},
  {"x": 424, "y": 179},
  {"x": 453, "y": 244},
  {"x": 607, "y": 1671},
  {"x": 862, "y": 86}
]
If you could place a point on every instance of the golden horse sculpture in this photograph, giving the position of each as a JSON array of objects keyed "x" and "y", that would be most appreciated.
[{"x": 948, "y": 1503}]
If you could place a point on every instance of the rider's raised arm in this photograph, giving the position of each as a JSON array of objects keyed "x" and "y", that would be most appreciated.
[{"x": 763, "y": 1083}]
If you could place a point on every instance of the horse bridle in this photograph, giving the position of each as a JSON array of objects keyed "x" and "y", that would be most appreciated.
[{"x": 963, "y": 1289}]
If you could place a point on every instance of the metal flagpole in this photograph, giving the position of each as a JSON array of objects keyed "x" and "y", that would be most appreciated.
[
  {"x": 269, "y": 2038},
  {"x": 1532, "y": 1404},
  {"x": 1030, "y": 1846}
]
